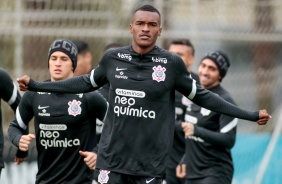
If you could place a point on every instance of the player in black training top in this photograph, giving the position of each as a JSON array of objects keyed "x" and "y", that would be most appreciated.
[
  {"x": 185, "y": 49},
  {"x": 64, "y": 124},
  {"x": 210, "y": 135},
  {"x": 10, "y": 94},
  {"x": 139, "y": 126}
]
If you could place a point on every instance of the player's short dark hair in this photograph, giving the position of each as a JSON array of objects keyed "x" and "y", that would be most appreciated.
[
  {"x": 149, "y": 8},
  {"x": 183, "y": 41},
  {"x": 82, "y": 46}
]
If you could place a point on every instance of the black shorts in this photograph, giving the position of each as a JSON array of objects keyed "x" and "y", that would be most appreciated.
[{"x": 109, "y": 177}]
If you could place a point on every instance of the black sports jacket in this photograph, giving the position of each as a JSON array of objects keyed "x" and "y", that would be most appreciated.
[
  {"x": 139, "y": 126},
  {"x": 64, "y": 124}
]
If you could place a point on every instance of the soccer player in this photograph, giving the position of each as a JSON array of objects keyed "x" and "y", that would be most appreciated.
[
  {"x": 185, "y": 49},
  {"x": 10, "y": 94},
  {"x": 209, "y": 135},
  {"x": 64, "y": 123},
  {"x": 84, "y": 58},
  {"x": 139, "y": 126}
]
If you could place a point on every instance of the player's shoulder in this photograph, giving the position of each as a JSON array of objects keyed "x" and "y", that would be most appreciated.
[
  {"x": 223, "y": 93},
  {"x": 94, "y": 95},
  {"x": 4, "y": 75},
  {"x": 116, "y": 50},
  {"x": 29, "y": 96}
]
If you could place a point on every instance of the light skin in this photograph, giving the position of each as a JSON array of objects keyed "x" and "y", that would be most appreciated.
[
  {"x": 145, "y": 29},
  {"x": 208, "y": 74},
  {"x": 84, "y": 64},
  {"x": 185, "y": 52},
  {"x": 60, "y": 68}
]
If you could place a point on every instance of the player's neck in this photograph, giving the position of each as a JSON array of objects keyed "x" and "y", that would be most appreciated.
[{"x": 142, "y": 50}]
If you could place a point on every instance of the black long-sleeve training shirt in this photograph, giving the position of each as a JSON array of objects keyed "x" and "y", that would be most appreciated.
[
  {"x": 10, "y": 94},
  {"x": 139, "y": 126},
  {"x": 208, "y": 150},
  {"x": 64, "y": 124}
]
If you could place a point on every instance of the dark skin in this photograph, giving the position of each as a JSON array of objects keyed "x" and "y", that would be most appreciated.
[{"x": 145, "y": 29}]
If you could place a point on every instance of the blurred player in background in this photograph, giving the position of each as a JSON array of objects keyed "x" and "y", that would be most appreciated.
[
  {"x": 84, "y": 58},
  {"x": 139, "y": 126},
  {"x": 209, "y": 135},
  {"x": 64, "y": 123},
  {"x": 185, "y": 49},
  {"x": 10, "y": 94}
]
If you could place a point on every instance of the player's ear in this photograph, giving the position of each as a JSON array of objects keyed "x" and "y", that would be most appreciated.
[
  {"x": 160, "y": 31},
  {"x": 130, "y": 28}
]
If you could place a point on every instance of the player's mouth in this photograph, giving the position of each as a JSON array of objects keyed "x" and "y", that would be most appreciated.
[
  {"x": 204, "y": 78},
  {"x": 57, "y": 71},
  {"x": 144, "y": 36}
]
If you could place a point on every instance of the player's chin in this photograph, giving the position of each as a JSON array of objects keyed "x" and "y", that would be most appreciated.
[{"x": 145, "y": 43}]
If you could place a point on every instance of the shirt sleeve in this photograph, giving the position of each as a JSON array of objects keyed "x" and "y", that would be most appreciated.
[
  {"x": 19, "y": 125},
  {"x": 224, "y": 138},
  {"x": 79, "y": 84},
  {"x": 8, "y": 90},
  {"x": 202, "y": 97},
  {"x": 226, "y": 134},
  {"x": 98, "y": 106}
]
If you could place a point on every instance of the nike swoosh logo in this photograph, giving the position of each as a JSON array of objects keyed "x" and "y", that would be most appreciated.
[
  {"x": 148, "y": 181},
  {"x": 120, "y": 69},
  {"x": 44, "y": 107}
]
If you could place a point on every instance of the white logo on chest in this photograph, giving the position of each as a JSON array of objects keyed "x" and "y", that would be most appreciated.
[
  {"x": 74, "y": 107},
  {"x": 159, "y": 73}
]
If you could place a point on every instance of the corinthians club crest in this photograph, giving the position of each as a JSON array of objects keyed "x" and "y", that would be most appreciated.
[
  {"x": 103, "y": 176},
  {"x": 159, "y": 73},
  {"x": 74, "y": 107}
]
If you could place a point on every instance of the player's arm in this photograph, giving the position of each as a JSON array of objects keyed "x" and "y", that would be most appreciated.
[
  {"x": 224, "y": 138},
  {"x": 98, "y": 108},
  {"x": 202, "y": 97},
  {"x": 181, "y": 167},
  {"x": 9, "y": 91},
  {"x": 226, "y": 135},
  {"x": 19, "y": 126},
  {"x": 79, "y": 84}
]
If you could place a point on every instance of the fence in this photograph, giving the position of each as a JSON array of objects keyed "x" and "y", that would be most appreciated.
[{"x": 248, "y": 31}]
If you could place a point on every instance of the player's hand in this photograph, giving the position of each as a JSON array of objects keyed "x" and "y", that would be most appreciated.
[
  {"x": 263, "y": 117},
  {"x": 89, "y": 158},
  {"x": 25, "y": 141},
  {"x": 181, "y": 171},
  {"x": 23, "y": 82},
  {"x": 188, "y": 128},
  {"x": 18, "y": 161}
]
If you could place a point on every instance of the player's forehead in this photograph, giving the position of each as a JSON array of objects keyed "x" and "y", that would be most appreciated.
[
  {"x": 146, "y": 16},
  {"x": 59, "y": 54},
  {"x": 209, "y": 63},
  {"x": 179, "y": 48}
]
